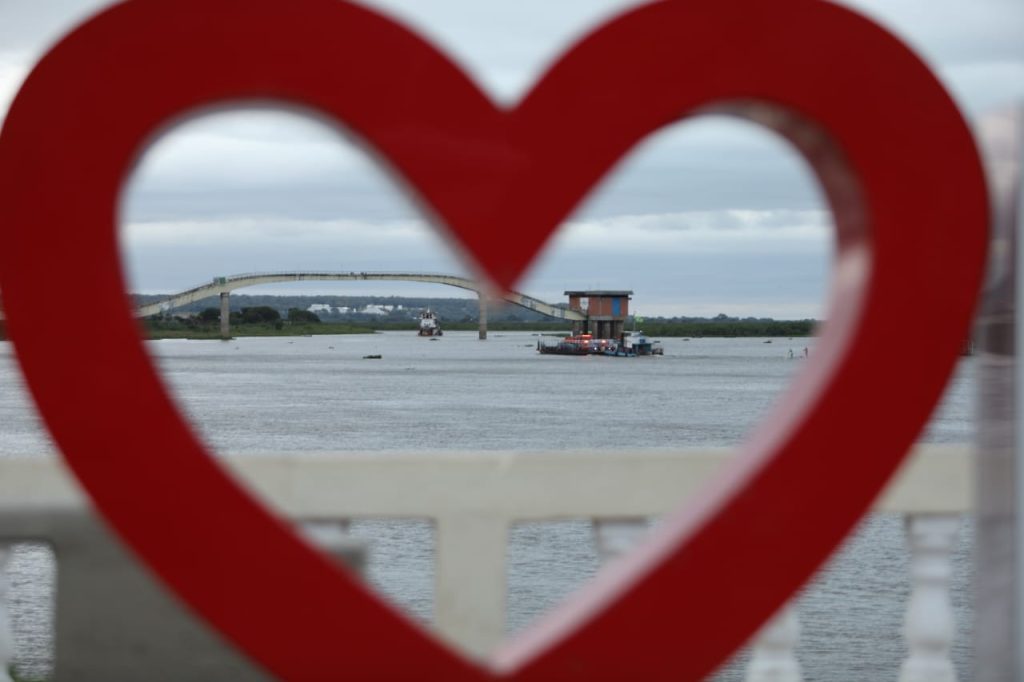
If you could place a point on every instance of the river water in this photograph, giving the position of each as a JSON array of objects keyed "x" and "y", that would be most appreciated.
[{"x": 264, "y": 395}]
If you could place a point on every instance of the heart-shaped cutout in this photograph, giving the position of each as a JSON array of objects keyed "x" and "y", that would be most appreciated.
[{"x": 896, "y": 161}]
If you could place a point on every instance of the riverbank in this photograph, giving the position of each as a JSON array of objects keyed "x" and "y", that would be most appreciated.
[
  {"x": 655, "y": 327},
  {"x": 169, "y": 331},
  {"x": 189, "y": 329}
]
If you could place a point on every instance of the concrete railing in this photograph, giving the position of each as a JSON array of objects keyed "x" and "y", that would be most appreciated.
[{"x": 473, "y": 500}]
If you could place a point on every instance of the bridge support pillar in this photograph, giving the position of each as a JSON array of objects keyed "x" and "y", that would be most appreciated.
[
  {"x": 483, "y": 318},
  {"x": 225, "y": 315}
]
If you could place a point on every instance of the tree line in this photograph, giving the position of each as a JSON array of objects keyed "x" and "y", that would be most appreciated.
[
  {"x": 261, "y": 315},
  {"x": 295, "y": 319},
  {"x": 728, "y": 328}
]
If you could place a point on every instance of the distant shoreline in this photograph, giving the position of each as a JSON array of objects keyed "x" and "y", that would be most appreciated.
[
  {"x": 155, "y": 332},
  {"x": 703, "y": 329}
]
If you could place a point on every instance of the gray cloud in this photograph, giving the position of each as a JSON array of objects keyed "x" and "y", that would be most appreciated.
[
  {"x": 30, "y": 26},
  {"x": 952, "y": 32},
  {"x": 710, "y": 215},
  {"x": 763, "y": 263}
]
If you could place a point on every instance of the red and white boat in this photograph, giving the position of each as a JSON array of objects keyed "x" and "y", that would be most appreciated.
[{"x": 429, "y": 324}]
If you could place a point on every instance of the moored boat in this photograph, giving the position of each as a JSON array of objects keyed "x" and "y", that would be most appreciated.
[
  {"x": 641, "y": 344},
  {"x": 429, "y": 324}
]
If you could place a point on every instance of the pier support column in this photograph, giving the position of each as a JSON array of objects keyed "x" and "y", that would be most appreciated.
[
  {"x": 930, "y": 624},
  {"x": 483, "y": 318},
  {"x": 225, "y": 315},
  {"x": 6, "y": 635},
  {"x": 998, "y": 537}
]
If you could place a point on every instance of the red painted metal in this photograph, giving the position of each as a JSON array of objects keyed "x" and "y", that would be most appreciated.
[{"x": 896, "y": 161}]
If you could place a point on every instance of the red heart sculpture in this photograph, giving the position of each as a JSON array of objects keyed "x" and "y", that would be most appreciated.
[{"x": 895, "y": 159}]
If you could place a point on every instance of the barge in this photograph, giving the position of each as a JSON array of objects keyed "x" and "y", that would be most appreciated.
[
  {"x": 634, "y": 345},
  {"x": 580, "y": 344}
]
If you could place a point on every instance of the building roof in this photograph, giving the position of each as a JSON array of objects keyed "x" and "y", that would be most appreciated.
[{"x": 600, "y": 292}]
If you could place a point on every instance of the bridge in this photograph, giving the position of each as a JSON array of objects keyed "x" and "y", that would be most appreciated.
[{"x": 223, "y": 286}]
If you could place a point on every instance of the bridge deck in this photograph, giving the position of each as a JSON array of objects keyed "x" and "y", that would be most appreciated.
[{"x": 222, "y": 285}]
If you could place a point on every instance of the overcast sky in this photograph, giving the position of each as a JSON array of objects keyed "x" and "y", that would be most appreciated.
[{"x": 720, "y": 215}]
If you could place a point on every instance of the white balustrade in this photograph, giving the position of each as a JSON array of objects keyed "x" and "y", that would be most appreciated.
[
  {"x": 6, "y": 636},
  {"x": 773, "y": 653},
  {"x": 930, "y": 625},
  {"x": 474, "y": 499}
]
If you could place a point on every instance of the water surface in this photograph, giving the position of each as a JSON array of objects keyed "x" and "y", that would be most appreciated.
[{"x": 318, "y": 394}]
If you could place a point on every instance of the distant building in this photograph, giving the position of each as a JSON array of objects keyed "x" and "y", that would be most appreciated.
[
  {"x": 606, "y": 311},
  {"x": 371, "y": 309}
]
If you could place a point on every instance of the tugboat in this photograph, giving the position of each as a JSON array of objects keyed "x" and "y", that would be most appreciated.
[
  {"x": 640, "y": 344},
  {"x": 429, "y": 324}
]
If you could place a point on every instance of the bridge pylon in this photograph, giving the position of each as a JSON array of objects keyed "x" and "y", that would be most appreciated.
[
  {"x": 225, "y": 316},
  {"x": 483, "y": 317}
]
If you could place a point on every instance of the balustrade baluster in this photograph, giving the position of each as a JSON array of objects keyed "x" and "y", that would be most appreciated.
[
  {"x": 615, "y": 537},
  {"x": 773, "y": 652},
  {"x": 929, "y": 625},
  {"x": 6, "y": 636}
]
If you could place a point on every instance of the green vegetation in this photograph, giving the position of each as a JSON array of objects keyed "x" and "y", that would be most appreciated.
[
  {"x": 474, "y": 325},
  {"x": 728, "y": 327},
  {"x": 253, "y": 321},
  {"x": 290, "y": 316},
  {"x": 388, "y": 308},
  {"x": 262, "y": 314},
  {"x": 299, "y": 316},
  {"x": 250, "y": 330},
  {"x": 655, "y": 327}
]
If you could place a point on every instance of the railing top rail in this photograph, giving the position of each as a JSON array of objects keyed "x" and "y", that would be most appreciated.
[
  {"x": 473, "y": 498},
  {"x": 514, "y": 486}
]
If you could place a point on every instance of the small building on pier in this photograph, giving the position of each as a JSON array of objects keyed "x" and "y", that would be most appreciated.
[{"x": 606, "y": 312}]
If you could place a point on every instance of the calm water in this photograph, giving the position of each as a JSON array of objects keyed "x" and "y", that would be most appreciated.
[{"x": 318, "y": 394}]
